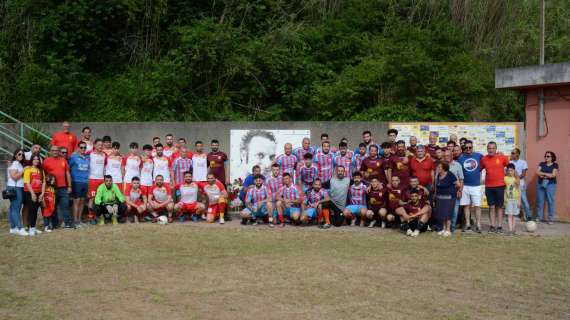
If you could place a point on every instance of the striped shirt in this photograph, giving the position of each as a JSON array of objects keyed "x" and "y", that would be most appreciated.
[
  {"x": 300, "y": 152},
  {"x": 357, "y": 160},
  {"x": 290, "y": 193},
  {"x": 313, "y": 197},
  {"x": 179, "y": 166},
  {"x": 255, "y": 195},
  {"x": 344, "y": 161},
  {"x": 324, "y": 164},
  {"x": 357, "y": 194},
  {"x": 287, "y": 164},
  {"x": 274, "y": 184},
  {"x": 308, "y": 175}
]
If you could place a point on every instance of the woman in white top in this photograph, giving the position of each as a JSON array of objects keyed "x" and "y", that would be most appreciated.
[{"x": 15, "y": 182}]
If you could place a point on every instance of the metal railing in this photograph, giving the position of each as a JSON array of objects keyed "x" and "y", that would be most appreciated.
[{"x": 19, "y": 137}]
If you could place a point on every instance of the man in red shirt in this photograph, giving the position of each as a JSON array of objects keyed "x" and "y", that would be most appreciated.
[
  {"x": 57, "y": 166},
  {"x": 494, "y": 165},
  {"x": 217, "y": 162},
  {"x": 65, "y": 138},
  {"x": 422, "y": 167}
]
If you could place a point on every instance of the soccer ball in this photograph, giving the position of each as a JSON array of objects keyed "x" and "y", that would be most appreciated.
[
  {"x": 162, "y": 220},
  {"x": 530, "y": 226}
]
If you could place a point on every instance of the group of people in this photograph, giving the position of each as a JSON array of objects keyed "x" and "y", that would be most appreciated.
[{"x": 389, "y": 185}]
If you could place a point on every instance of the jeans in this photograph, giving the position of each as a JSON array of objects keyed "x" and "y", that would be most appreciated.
[
  {"x": 549, "y": 191},
  {"x": 455, "y": 214},
  {"x": 15, "y": 208},
  {"x": 62, "y": 200},
  {"x": 525, "y": 204}
]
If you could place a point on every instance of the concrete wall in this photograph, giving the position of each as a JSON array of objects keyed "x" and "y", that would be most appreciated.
[{"x": 557, "y": 111}]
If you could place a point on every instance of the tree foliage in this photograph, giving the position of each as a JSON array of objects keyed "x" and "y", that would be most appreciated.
[{"x": 198, "y": 60}]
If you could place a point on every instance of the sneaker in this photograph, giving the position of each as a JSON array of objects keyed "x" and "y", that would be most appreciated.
[
  {"x": 441, "y": 233},
  {"x": 429, "y": 228},
  {"x": 170, "y": 220},
  {"x": 492, "y": 229},
  {"x": 68, "y": 226},
  {"x": 446, "y": 233},
  {"x": 550, "y": 223},
  {"x": 22, "y": 232},
  {"x": 409, "y": 232},
  {"x": 416, "y": 233},
  {"x": 353, "y": 223},
  {"x": 243, "y": 221},
  {"x": 101, "y": 220},
  {"x": 222, "y": 221},
  {"x": 372, "y": 224},
  {"x": 32, "y": 232},
  {"x": 203, "y": 216},
  {"x": 254, "y": 222},
  {"x": 499, "y": 230},
  {"x": 14, "y": 230},
  {"x": 383, "y": 225},
  {"x": 467, "y": 229},
  {"x": 478, "y": 229},
  {"x": 47, "y": 229},
  {"x": 326, "y": 226}
]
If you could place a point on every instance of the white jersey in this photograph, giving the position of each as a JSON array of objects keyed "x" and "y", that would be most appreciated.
[
  {"x": 161, "y": 167},
  {"x": 188, "y": 193},
  {"x": 113, "y": 168},
  {"x": 168, "y": 151},
  {"x": 146, "y": 173},
  {"x": 97, "y": 162},
  {"x": 132, "y": 168},
  {"x": 214, "y": 192},
  {"x": 89, "y": 146},
  {"x": 199, "y": 167},
  {"x": 135, "y": 195}
]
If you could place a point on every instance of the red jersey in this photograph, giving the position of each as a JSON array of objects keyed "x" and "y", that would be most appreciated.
[
  {"x": 422, "y": 169},
  {"x": 65, "y": 139},
  {"x": 374, "y": 168},
  {"x": 58, "y": 168},
  {"x": 431, "y": 149},
  {"x": 216, "y": 165},
  {"x": 132, "y": 194},
  {"x": 424, "y": 197},
  {"x": 413, "y": 207},
  {"x": 413, "y": 150},
  {"x": 49, "y": 202},
  {"x": 494, "y": 169}
]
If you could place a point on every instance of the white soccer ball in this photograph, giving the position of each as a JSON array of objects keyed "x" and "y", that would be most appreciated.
[
  {"x": 162, "y": 220},
  {"x": 530, "y": 226}
]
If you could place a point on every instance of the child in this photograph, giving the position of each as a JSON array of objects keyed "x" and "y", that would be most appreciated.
[
  {"x": 48, "y": 203},
  {"x": 512, "y": 197}
]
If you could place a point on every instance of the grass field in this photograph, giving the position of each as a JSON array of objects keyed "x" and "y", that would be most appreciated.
[{"x": 199, "y": 271}]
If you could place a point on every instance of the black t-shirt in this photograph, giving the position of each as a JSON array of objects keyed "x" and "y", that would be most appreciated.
[{"x": 548, "y": 169}]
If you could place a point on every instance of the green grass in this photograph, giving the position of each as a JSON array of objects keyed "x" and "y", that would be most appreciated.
[{"x": 213, "y": 272}]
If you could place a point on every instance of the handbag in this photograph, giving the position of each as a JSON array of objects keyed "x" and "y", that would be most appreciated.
[{"x": 8, "y": 193}]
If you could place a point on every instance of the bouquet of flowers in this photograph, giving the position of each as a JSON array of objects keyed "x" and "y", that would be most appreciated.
[{"x": 234, "y": 190}]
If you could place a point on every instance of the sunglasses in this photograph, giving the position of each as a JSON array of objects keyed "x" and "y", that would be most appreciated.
[
  {"x": 468, "y": 147},
  {"x": 82, "y": 148},
  {"x": 54, "y": 150},
  {"x": 548, "y": 156}
]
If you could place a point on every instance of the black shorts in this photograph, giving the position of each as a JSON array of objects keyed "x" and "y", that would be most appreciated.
[
  {"x": 375, "y": 210},
  {"x": 495, "y": 196}
]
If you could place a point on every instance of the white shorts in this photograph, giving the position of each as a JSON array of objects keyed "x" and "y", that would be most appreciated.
[
  {"x": 471, "y": 196},
  {"x": 512, "y": 207}
]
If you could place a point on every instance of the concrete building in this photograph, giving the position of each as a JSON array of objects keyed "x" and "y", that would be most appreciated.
[{"x": 547, "y": 122}]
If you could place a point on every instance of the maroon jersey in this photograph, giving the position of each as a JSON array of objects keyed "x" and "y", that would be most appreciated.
[
  {"x": 424, "y": 197},
  {"x": 400, "y": 166},
  {"x": 431, "y": 149},
  {"x": 413, "y": 207},
  {"x": 374, "y": 168},
  {"x": 377, "y": 198},
  {"x": 413, "y": 150},
  {"x": 216, "y": 165},
  {"x": 394, "y": 197}
]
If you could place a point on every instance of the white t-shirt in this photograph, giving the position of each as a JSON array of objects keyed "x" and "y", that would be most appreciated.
[
  {"x": 520, "y": 165},
  {"x": 199, "y": 167},
  {"x": 17, "y": 166}
]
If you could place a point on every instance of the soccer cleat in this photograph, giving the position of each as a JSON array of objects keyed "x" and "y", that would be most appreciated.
[
  {"x": 114, "y": 220},
  {"x": 383, "y": 225},
  {"x": 222, "y": 221},
  {"x": 353, "y": 222},
  {"x": 326, "y": 226},
  {"x": 416, "y": 233},
  {"x": 440, "y": 233},
  {"x": 101, "y": 220},
  {"x": 446, "y": 234},
  {"x": 372, "y": 224},
  {"x": 254, "y": 222},
  {"x": 409, "y": 232}
]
